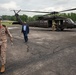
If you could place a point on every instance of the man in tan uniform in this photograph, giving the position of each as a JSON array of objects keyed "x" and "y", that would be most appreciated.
[
  {"x": 53, "y": 25},
  {"x": 3, "y": 45}
]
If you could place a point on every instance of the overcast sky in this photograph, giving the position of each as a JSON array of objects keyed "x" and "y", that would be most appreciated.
[{"x": 39, "y": 5}]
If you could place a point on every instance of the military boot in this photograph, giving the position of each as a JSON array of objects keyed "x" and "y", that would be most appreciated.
[{"x": 2, "y": 68}]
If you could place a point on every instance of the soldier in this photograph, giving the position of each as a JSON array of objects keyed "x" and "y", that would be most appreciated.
[
  {"x": 53, "y": 26},
  {"x": 3, "y": 45}
]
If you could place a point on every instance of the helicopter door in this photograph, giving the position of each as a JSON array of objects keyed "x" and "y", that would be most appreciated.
[
  {"x": 61, "y": 22},
  {"x": 59, "y": 25},
  {"x": 49, "y": 23}
]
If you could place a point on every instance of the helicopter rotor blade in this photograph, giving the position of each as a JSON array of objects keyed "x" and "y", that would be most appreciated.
[
  {"x": 33, "y": 11},
  {"x": 54, "y": 12},
  {"x": 49, "y": 13},
  {"x": 68, "y": 10},
  {"x": 19, "y": 11},
  {"x": 14, "y": 11}
]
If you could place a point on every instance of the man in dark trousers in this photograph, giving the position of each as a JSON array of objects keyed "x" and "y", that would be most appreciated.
[{"x": 25, "y": 31}]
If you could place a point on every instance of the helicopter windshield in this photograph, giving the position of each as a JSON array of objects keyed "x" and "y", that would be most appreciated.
[{"x": 70, "y": 20}]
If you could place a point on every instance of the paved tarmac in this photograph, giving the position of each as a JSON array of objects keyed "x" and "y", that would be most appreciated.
[{"x": 46, "y": 53}]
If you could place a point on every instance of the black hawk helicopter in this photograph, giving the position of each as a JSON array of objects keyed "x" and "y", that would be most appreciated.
[{"x": 56, "y": 22}]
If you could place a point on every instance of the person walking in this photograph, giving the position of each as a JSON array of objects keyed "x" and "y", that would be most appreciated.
[
  {"x": 3, "y": 45},
  {"x": 25, "y": 31}
]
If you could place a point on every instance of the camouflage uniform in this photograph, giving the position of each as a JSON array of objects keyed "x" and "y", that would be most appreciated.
[
  {"x": 3, "y": 43},
  {"x": 53, "y": 26}
]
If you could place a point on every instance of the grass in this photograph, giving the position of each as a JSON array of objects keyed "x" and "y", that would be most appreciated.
[{"x": 7, "y": 23}]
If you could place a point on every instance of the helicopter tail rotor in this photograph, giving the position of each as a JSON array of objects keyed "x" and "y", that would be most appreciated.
[{"x": 17, "y": 11}]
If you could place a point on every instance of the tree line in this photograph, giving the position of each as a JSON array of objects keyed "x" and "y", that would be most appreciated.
[{"x": 26, "y": 18}]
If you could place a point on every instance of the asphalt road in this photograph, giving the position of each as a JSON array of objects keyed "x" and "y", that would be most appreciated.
[{"x": 46, "y": 53}]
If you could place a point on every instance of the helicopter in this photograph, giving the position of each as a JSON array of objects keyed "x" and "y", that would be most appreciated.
[{"x": 55, "y": 22}]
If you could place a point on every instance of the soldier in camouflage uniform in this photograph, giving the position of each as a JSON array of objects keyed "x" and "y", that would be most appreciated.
[
  {"x": 3, "y": 45},
  {"x": 53, "y": 25}
]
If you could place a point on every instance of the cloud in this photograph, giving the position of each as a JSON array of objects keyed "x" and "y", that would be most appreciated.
[
  {"x": 37, "y": 5},
  {"x": 50, "y": 9},
  {"x": 10, "y": 5}
]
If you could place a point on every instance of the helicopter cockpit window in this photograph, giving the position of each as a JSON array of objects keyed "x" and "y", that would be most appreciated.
[{"x": 70, "y": 20}]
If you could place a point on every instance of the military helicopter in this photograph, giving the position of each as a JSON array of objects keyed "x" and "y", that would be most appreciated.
[{"x": 56, "y": 22}]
